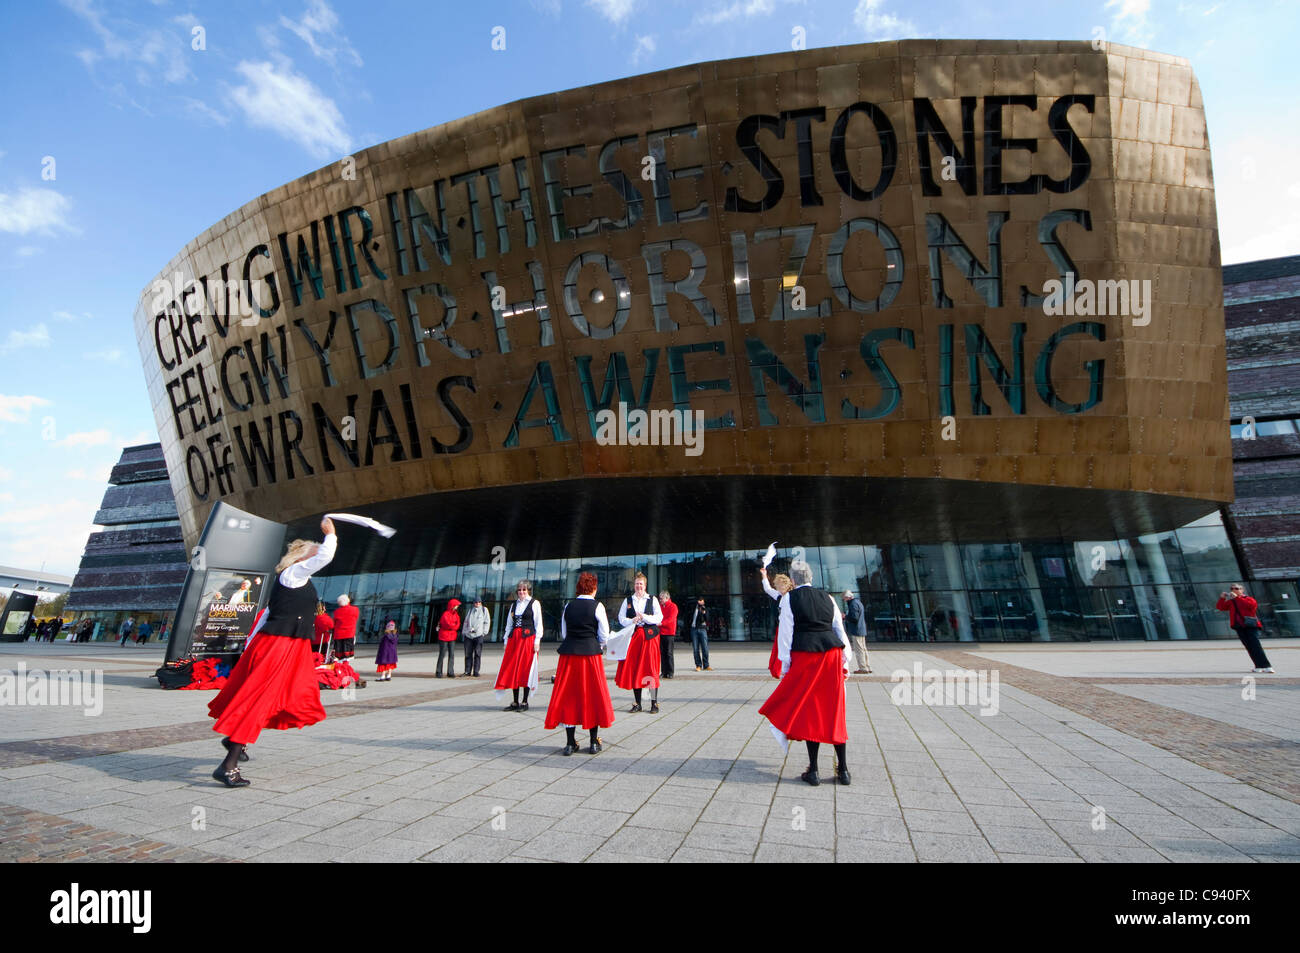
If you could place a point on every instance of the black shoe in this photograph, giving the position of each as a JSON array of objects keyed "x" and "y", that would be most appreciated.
[
  {"x": 654, "y": 708},
  {"x": 634, "y": 708},
  {"x": 810, "y": 776},
  {"x": 842, "y": 776},
  {"x": 243, "y": 755},
  {"x": 230, "y": 779},
  {"x": 597, "y": 748},
  {"x": 570, "y": 749},
  {"x": 524, "y": 706},
  {"x": 437, "y": 675},
  {"x": 513, "y": 706}
]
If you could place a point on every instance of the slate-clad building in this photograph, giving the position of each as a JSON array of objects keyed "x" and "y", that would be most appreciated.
[{"x": 136, "y": 565}]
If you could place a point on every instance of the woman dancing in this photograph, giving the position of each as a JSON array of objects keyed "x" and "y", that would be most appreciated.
[
  {"x": 274, "y": 683},
  {"x": 640, "y": 669},
  {"x": 781, "y": 584},
  {"x": 808, "y": 703},
  {"x": 523, "y": 639},
  {"x": 581, "y": 696}
]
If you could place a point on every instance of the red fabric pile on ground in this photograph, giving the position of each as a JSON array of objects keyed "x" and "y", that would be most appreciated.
[
  {"x": 339, "y": 675},
  {"x": 204, "y": 677}
]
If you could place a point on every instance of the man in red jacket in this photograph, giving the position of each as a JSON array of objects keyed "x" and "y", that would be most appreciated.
[
  {"x": 1241, "y": 610},
  {"x": 345, "y": 628},
  {"x": 667, "y": 635}
]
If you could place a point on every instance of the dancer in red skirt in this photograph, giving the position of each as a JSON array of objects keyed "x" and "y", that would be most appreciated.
[
  {"x": 779, "y": 586},
  {"x": 274, "y": 683},
  {"x": 581, "y": 696},
  {"x": 808, "y": 704},
  {"x": 523, "y": 639},
  {"x": 640, "y": 669}
]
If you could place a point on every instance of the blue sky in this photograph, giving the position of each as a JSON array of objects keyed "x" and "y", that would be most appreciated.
[{"x": 120, "y": 142}]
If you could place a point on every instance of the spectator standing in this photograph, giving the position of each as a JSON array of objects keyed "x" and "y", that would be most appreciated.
[
  {"x": 448, "y": 626},
  {"x": 1242, "y": 616},
  {"x": 478, "y": 623},
  {"x": 321, "y": 629},
  {"x": 386, "y": 659},
  {"x": 855, "y": 623},
  {"x": 667, "y": 635},
  {"x": 414, "y": 628},
  {"x": 346, "y": 617},
  {"x": 125, "y": 630},
  {"x": 700, "y": 635}
]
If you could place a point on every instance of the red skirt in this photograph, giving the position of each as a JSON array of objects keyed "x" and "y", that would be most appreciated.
[
  {"x": 581, "y": 695},
  {"x": 517, "y": 662},
  {"x": 273, "y": 685},
  {"x": 641, "y": 667},
  {"x": 774, "y": 663},
  {"x": 808, "y": 704}
]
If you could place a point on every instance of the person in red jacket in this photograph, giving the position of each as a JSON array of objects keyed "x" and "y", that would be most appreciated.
[
  {"x": 448, "y": 626},
  {"x": 667, "y": 635},
  {"x": 324, "y": 624},
  {"x": 345, "y": 628},
  {"x": 1242, "y": 610}
]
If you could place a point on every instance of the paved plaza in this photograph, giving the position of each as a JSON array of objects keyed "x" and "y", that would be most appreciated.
[{"x": 1130, "y": 752}]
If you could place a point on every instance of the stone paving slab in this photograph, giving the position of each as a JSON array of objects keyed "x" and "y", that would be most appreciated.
[{"x": 1066, "y": 771}]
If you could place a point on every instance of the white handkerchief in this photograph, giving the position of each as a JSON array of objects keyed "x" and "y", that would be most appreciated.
[
  {"x": 781, "y": 739},
  {"x": 770, "y": 554},
  {"x": 384, "y": 531},
  {"x": 616, "y": 645}
]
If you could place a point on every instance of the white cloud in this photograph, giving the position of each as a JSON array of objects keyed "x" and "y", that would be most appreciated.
[
  {"x": 69, "y": 316},
  {"x": 289, "y": 105},
  {"x": 27, "y": 251},
  {"x": 51, "y": 533},
  {"x": 1259, "y": 210},
  {"x": 87, "y": 438},
  {"x": 152, "y": 52},
  {"x": 645, "y": 45},
  {"x": 99, "y": 474},
  {"x": 1129, "y": 21},
  {"x": 615, "y": 11},
  {"x": 6, "y": 474},
  {"x": 16, "y": 410},
  {"x": 318, "y": 28},
  {"x": 37, "y": 336},
  {"x": 34, "y": 210},
  {"x": 197, "y": 108},
  {"x": 878, "y": 25},
  {"x": 109, "y": 355},
  {"x": 734, "y": 11}
]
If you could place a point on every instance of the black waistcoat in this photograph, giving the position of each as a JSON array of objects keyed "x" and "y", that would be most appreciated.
[
  {"x": 291, "y": 612},
  {"x": 523, "y": 621},
  {"x": 813, "y": 614},
  {"x": 580, "y": 628}
]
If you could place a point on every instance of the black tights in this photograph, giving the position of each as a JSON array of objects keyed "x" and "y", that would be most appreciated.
[
  {"x": 815, "y": 746},
  {"x": 654, "y": 695},
  {"x": 573, "y": 734},
  {"x": 515, "y": 693},
  {"x": 232, "y": 757}
]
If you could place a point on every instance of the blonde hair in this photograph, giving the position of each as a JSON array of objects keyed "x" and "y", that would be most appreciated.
[
  {"x": 781, "y": 582},
  {"x": 298, "y": 550}
]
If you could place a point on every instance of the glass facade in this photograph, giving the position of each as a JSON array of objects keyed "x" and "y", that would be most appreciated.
[{"x": 1162, "y": 586}]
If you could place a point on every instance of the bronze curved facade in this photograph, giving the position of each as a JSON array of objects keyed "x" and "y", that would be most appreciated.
[{"x": 836, "y": 258}]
